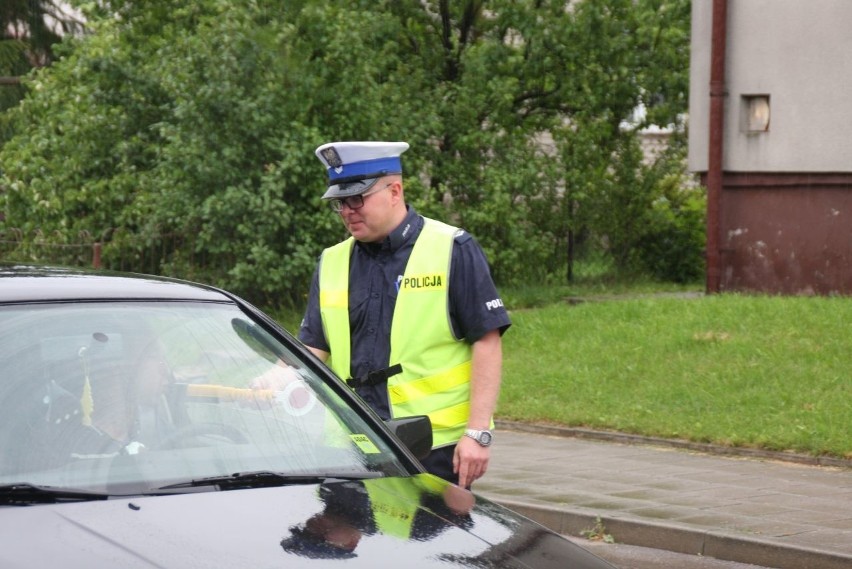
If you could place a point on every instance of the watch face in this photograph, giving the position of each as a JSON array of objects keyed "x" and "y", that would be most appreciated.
[{"x": 485, "y": 438}]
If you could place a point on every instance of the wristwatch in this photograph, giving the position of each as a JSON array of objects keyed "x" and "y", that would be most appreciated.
[{"x": 484, "y": 438}]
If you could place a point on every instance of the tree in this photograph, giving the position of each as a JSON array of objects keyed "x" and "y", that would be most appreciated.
[
  {"x": 28, "y": 31},
  {"x": 189, "y": 127}
]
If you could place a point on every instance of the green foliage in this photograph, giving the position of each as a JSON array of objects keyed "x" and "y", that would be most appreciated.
[
  {"x": 652, "y": 217},
  {"x": 28, "y": 31},
  {"x": 672, "y": 248},
  {"x": 598, "y": 532},
  {"x": 13, "y": 63},
  {"x": 182, "y": 132}
]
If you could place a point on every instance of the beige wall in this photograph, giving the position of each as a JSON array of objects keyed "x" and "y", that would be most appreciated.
[{"x": 799, "y": 52}]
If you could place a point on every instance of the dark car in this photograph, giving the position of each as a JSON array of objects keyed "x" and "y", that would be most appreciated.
[{"x": 150, "y": 422}]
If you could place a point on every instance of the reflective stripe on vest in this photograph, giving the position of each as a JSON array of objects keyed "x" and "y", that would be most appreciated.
[{"x": 435, "y": 378}]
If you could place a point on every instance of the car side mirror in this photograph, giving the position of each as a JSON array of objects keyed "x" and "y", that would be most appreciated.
[{"x": 415, "y": 433}]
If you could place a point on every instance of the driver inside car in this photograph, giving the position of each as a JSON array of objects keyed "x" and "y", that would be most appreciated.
[{"x": 121, "y": 407}]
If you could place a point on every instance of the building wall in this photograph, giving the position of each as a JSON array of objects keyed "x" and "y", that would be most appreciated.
[
  {"x": 786, "y": 234},
  {"x": 785, "y": 206},
  {"x": 795, "y": 51}
]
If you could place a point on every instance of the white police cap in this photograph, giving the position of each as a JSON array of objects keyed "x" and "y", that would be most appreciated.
[{"x": 353, "y": 167}]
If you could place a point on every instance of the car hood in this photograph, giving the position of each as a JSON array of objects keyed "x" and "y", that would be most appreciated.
[{"x": 387, "y": 522}]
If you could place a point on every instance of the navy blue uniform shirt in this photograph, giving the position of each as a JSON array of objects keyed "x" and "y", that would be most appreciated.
[{"x": 374, "y": 271}]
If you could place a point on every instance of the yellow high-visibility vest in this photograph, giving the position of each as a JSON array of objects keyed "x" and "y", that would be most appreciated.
[{"x": 436, "y": 367}]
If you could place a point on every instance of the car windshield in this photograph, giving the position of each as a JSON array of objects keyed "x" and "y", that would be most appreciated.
[{"x": 125, "y": 397}]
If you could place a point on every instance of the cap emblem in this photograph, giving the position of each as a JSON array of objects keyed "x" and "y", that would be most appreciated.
[{"x": 333, "y": 158}]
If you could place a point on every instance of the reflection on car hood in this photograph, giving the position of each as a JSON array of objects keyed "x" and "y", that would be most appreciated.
[{"x": 385, "y": 522}]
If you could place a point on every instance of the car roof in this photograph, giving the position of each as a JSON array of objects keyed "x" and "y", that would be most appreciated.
[{"x": 30, "y": 283}]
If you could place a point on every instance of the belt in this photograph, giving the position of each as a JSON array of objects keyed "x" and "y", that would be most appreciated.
[{"x": 374, "y": 377}]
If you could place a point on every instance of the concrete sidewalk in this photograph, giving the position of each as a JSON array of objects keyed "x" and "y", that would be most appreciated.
[{"x": 759, "y": 511}]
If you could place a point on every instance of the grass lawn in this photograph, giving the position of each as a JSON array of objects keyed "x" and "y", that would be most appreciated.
[
  {"x": 765, "y": 372},
  {"x": 751, "y": 371}
]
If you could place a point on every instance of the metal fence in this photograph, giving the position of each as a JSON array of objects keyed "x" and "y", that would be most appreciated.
[
  {"x": 152, "y": 252},
  {"x": 80, "y": 249}
]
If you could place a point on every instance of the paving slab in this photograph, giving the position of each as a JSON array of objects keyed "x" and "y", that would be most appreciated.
[{"x": 749, "y": 509}]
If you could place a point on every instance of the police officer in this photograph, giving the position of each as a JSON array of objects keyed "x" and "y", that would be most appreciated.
[{"x": 406, "y": 310}]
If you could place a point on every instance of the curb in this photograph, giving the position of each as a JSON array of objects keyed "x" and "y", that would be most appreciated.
[
  {"x": 679, "y": 539},
  {"x": 718, "y": 544},
  {"x": 615, "y": 437}
]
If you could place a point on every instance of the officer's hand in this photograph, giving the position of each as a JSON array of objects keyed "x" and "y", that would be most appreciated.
[
  {"x": 273, "y": 381},
  {"x": 470, "y": 461},
  {"x": 275, "y": 378}
]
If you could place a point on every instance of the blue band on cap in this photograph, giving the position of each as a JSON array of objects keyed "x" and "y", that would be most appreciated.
[{"x": 367, "y": 169}]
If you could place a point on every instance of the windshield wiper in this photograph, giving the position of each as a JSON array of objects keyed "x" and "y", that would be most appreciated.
[
  {"x": 267, "y": 478},
  {"x": 24, "y": 494}
]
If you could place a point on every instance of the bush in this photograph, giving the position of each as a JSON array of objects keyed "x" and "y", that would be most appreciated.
[{"x": 672, "y": 249}]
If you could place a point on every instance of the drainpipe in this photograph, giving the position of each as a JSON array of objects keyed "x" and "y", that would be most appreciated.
[{"x": 717, "y": 127}]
